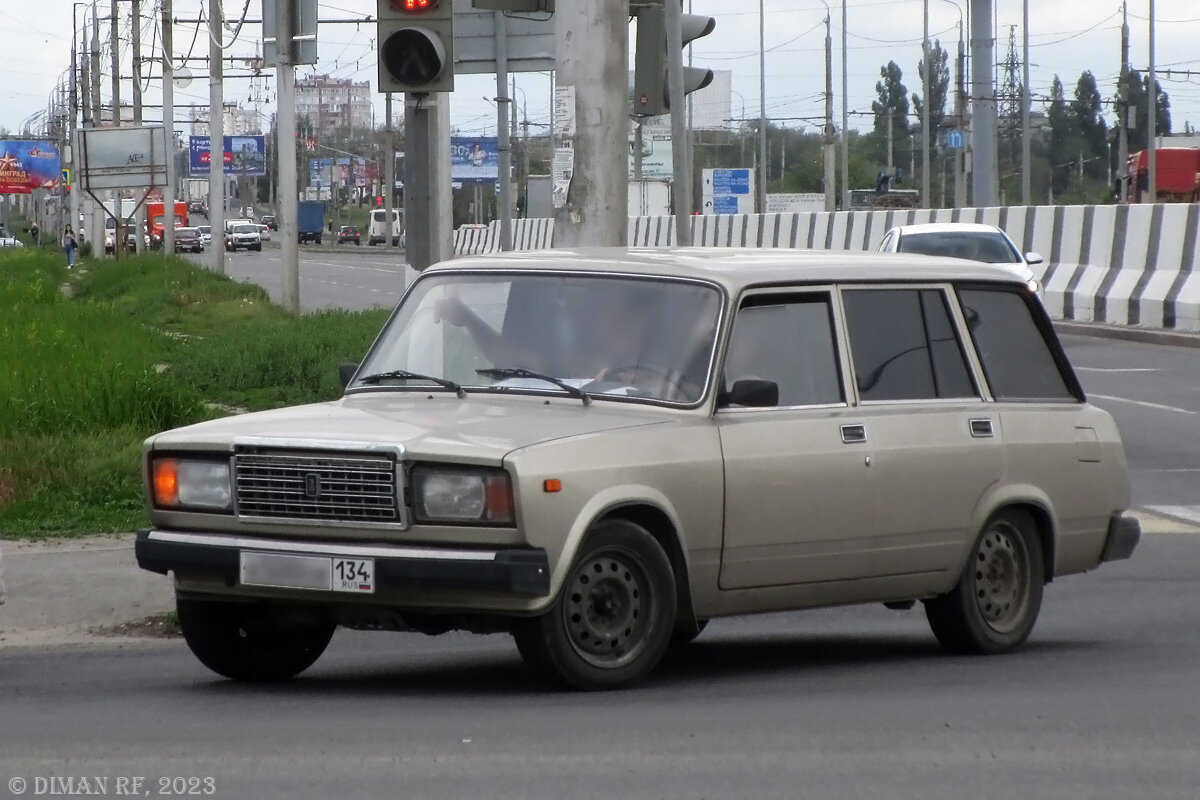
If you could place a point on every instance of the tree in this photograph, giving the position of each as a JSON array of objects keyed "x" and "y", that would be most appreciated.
[
  {"x": 891, "y": 100},
  {"x": 939, "y": 90},
  {"x": 1087, "y": 117},
  {"x": 1064, "y": 139},
  {"x": 1139, "y": 100}
]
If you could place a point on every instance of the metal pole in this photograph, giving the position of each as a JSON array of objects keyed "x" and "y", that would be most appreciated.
[
  {"x": 1152, "y": 126},
  {"x": 1123, "y": 111},
  {"x": 168, "y": 110},
  {"x": 74, "y": 126},
  {"x": 926, "y": 123},
  {"x": 216, "y": 137},
  {"x": 845, "y": 116},
  {"x": 1026, "y": 126},
  {"x": 504, "y": 140},
  {"x": 389, "y": 171},
  {"x": 830, "y": 166},
  {"x": 285, "y": 81},
  {"x": 960, "y": 110},
  {"x": 762, "y": 109},
  {"x": 679, "y": 153},
  {"x": 983, "y": 105}
]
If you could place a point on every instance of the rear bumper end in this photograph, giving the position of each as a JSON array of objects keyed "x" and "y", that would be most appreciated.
[
  {"x": 1124, "y": 533},
  {"x": 518, "y": 573}
]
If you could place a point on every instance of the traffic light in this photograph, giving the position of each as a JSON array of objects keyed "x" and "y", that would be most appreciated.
[
  {"x": 416, "y": 46},
  {"x": 650, "y": 95}
]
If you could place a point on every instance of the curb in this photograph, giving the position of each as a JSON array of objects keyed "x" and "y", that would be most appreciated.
[{"x": 1128, "y": 333}]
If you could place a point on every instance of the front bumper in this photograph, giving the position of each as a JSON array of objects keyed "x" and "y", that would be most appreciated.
[
  {"x": 1124, "y": 533},
  {"x": 514, "y": 572}
]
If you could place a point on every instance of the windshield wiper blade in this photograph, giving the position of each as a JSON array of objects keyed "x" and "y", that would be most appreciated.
[
  {"x": 405, "y": 374},
  {"x": 520, "y": 372}
]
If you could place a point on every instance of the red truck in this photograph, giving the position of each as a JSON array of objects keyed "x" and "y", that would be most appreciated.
[
  {"x": 154, "y": 220},
  {"x": 1178, "y": 170}
]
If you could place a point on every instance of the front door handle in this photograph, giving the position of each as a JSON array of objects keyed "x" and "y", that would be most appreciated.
[{"x": 854, "y": 434}]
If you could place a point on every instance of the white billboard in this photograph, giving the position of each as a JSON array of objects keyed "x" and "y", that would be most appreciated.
[{"x": 122, "y": 158}]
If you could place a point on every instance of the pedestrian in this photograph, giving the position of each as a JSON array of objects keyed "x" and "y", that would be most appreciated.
[
  {"x": 35, "y": 234},
  {"x": 69, "y": 246}
]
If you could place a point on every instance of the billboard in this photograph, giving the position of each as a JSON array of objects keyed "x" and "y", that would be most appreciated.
[
  {"x": 474, "y": 159},
  {"x": 27, "y": 165},
  {"x": 122, "y": 158},
  {"x": 244, "y": 155},
  {"x": 657, "y": 156},
  {"x": 343, "y": 173}
]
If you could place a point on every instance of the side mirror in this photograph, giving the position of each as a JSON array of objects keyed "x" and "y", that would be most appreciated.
[
  {"x": 1033, "y": 258},
  {"x": 346, "y": 373},
  {"x": 752, "y": 393}
]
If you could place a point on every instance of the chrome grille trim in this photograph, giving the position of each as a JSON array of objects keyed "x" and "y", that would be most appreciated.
[{"x": 332, "y": 488}]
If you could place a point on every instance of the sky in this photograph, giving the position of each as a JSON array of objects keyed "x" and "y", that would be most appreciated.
[{"x": 1067, "y": 37}]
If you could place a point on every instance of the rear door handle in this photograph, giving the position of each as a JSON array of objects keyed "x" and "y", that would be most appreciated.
[
  {"x": 854, "y": 434},
  {"x": 981, "y": 428}
]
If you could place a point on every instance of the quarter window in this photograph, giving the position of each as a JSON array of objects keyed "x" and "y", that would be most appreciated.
[
  {"x": 904, "y": 345},
  {"x": 788, "y": 340},
  {"x": 1016, "y": 356}
]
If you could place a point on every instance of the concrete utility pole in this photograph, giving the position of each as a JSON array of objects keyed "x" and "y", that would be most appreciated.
[
  {"x": 285, "y": 87},
  {"x": 1152, "y": 126},
  {"x": 428, "y": 208},
  {"x": 115, "y": 47},
  {"x": 845, "y": 116},
  {"x": 504, "y": 140},
  {"x": 73, "y": 127},
  {"x": 135, "y": 41},
  {"x": 1026, "y": 124},
  {"x": 960, "y": 110},
  {"x": 830, "y": 166},
  {"x": 168, "y": 99},
  {"x": 592, "y": 54},
  {"x": 983, "y": 105},
  {"x": 926, "y": 122},
  {"x": 216, "y": 136},
  {"x": 762, "y": 110},
  {"x": 1123, "y": 111},
  {"x": 681, "y": 163},
  {"x": 98, "y": 215},
  {"x": 389, "y": 171}
]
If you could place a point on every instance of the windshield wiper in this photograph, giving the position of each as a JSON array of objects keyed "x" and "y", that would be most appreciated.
[
  {"x": 405, "y": 374},
  {"x": 520, "y": 372}
]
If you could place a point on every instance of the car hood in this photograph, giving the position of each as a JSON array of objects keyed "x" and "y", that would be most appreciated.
[{"x": 480, "y": 429}]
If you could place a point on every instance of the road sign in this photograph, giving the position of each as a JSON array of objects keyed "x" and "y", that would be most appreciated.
[
  {"x": 66, "y": 178},
  {"x": 728, "y": 191},
  {"x": 954, "y": 140},
  {"x": 727, "y": 181}
]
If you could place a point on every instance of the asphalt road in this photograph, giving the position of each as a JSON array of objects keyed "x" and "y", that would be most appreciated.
[{"x": 846, "y": 703}]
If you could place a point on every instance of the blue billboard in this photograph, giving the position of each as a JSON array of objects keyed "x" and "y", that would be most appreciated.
[
  {"x": 28, "y": 165},
  {"x": 474, "y": 159},
  {"x": 244, "y": 155}
]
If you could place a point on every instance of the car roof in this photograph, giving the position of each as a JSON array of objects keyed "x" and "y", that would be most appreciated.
[
  {"x": 737, "y": 268},
  {"x": 948, "y": 227}
]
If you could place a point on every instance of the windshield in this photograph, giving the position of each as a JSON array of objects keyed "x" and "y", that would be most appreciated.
[
  {"x": 611, "y": 337},
  {"x": 205, "y": 229},
  {"x": 985, "y": 246},
  {"x": 245, "y": 229}
]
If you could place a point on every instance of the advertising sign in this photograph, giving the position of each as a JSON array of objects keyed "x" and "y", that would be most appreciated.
[
  {"x": 122, "y": 158},
  {"x": 26, "y": 165},
  {"x": 244, "y": 155},
  {"x": 343, "y": 173},
  {"x": 657, "y": 159},
  {"x": 795, "y": 202},
  {"x": 474, "y": 159}
]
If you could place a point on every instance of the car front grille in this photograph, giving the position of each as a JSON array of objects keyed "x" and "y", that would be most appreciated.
[{"x": 332, "y": 487}]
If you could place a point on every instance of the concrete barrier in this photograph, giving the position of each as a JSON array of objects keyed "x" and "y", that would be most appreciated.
[{"x": 1122, "y": 265}]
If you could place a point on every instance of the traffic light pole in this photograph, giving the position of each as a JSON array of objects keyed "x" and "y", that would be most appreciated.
[
  {"x": 389, "y": 172},
  {"x": 504, "y": 139},
  {"x": 285, "y": 73},
  {"x": 428, "y": 209},
  {"x": 681, "y": 151}
]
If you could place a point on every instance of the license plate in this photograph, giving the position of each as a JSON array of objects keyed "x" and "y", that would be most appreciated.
[{"x": 319, "y": 573}]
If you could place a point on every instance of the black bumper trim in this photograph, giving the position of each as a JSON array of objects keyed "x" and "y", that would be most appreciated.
[
  {"x": 1124, "y": 533},
  {"x": 523, "y": 573}
]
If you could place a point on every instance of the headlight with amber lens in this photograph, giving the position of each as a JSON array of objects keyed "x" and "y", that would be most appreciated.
[
  {"x": 462, "y": 496},
  {"x": 191, "y": 483}
]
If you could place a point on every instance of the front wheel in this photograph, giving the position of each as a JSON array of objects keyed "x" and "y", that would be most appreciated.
[
  {"x": 993, "y": 607},
  {"x": 250, "y": 641},
  {"x": 614, "y": 615}
]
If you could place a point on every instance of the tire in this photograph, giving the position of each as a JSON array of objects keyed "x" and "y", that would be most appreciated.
[
  {"x": 995, "y": 604},
  {"x": 257, "y": 248},
  {"x": 614, "y": 615},
  {"x": 686, "y": 634},
  {"x": 248, "y": 642}
]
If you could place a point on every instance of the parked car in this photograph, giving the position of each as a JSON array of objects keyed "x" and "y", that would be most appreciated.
[
  {"x": 349, "y": 233},
  {"x": 205, "y": 232},
  {"x": 243, "y": 236},
  {"x": 188, "y": 239},
  {"x": 599, "y": 451},
  {"x": 270, "y": 221},
  {"x": 968, "y": 240},
  {"x": 7, "y": 239},
  {"x": 264, "y": 232}
]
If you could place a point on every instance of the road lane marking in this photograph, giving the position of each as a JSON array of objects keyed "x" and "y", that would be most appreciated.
[
  {"x": 1156, "y": 520},
  {"x": 1143, "y": 403},
  {"x": 1189, "y": 514},
  {"x": 1116, "y": 369}
]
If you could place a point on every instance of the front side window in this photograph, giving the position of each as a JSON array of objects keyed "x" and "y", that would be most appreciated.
[
  {"x": 904, "y": 345},
  {"x": 788, "y": 340},
  {"x": 1016, "y": 356},
  {"x": 611, "y": 337}
]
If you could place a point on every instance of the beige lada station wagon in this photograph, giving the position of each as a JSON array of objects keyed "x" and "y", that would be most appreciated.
[{"x": 598, "y": 451}]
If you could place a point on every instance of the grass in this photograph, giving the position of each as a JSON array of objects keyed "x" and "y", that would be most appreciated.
[{"x": 142, "y": 345}]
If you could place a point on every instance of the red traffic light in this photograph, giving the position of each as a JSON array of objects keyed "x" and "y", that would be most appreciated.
[{"x": 414, "y": 6}]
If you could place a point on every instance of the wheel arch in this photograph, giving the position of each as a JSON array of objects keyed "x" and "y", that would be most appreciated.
[
  {"x": 664, "y": 530},
  {"x": 1032, "y": 501}
]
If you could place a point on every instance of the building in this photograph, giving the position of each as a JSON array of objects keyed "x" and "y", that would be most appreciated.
[
  {"x": 332, "y": 103},
  {"x": 236, "y": 121}
]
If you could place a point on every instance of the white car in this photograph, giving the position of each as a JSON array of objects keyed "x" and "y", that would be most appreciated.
[
  {"x": 205, "y": 235},
  {"x": 7, "y": 239},
  {"x": 244, "y": 236},
  {"x": 967, "y": 240},
  {"x": 264, "y": 233}
]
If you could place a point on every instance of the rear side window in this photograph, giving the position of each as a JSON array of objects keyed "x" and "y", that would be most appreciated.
[
  {"x": 1016, "y": 357},
  {"x": 904, "y": 345}
]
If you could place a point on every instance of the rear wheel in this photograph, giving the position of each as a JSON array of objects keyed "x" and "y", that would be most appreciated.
[
  {"x": 251, "y": 641},
  {"x": 614, "y": 615},
  {"x": 996, "y": 602}
]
